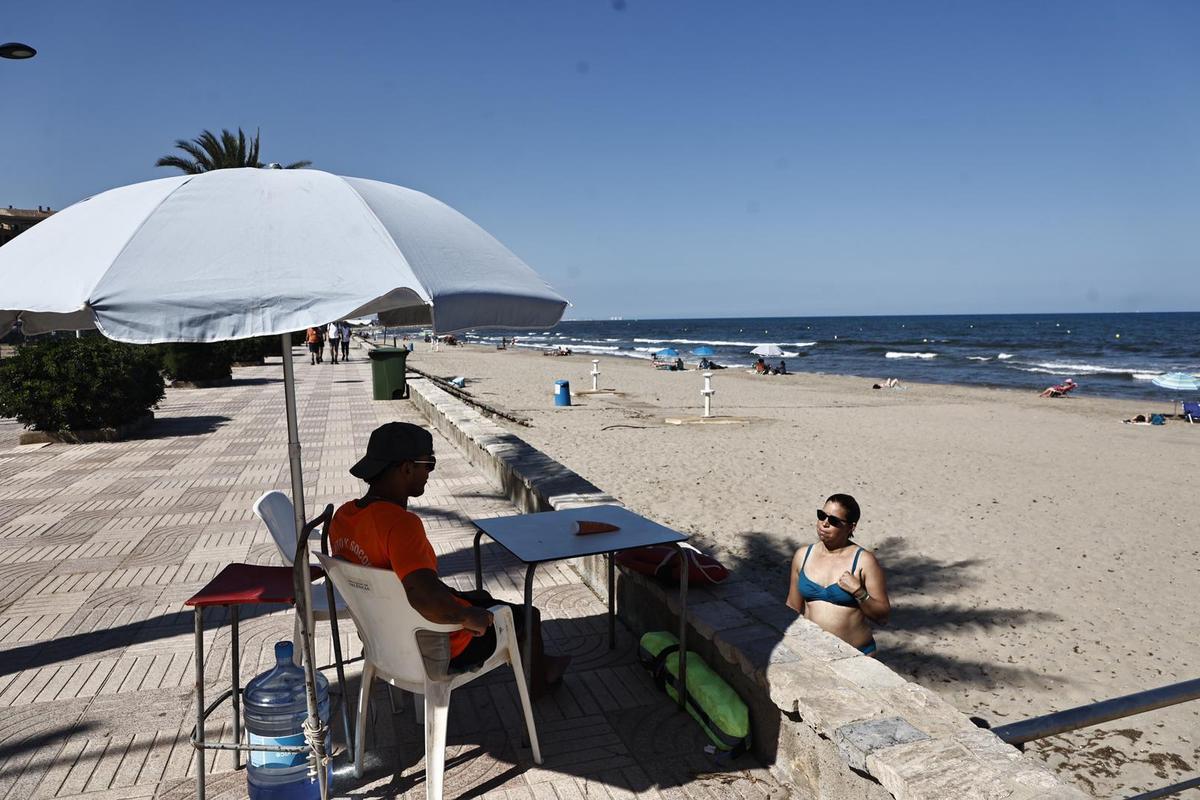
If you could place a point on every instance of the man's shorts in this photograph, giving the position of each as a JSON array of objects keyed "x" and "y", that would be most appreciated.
[{"x": 480, "y": 648}]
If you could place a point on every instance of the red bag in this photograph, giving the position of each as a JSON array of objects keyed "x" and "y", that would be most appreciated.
[{"x": 662, "y": 561}]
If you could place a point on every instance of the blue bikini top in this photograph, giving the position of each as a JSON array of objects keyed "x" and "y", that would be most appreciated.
[{"x": 811, "y": 590}]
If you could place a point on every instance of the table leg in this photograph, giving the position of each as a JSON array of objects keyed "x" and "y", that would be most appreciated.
[
  {"x": 237, "y": 683},
  {"x": 683, "y": 587},
  {"x": 478, "y": 562},
  {"x": 612, "y": 603},
  {"x": 199, "y": 703},
  {"x": 527, "y": 655}
]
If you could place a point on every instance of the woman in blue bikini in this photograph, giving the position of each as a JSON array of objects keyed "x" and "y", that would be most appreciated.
[{"x": 837, "y": 584}]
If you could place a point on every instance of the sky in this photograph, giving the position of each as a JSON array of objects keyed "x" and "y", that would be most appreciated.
[{"x": 678, "y": 159}]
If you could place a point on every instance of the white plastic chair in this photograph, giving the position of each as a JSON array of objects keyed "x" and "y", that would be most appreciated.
[
  {"x": 276, "y": 510},
  {"x": 388, "y": 626}
]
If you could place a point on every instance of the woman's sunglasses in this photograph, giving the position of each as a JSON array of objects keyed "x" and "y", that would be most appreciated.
[{"x": 836, "y": 522}]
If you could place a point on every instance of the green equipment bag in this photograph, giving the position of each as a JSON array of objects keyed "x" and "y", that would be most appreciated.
[{"x": 709, "y": 699}]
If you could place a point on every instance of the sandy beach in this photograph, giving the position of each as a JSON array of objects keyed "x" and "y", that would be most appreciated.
[{"x": 1040, "y": 553}]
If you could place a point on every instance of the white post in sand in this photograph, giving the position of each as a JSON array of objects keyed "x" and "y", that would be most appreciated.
[
  {"x": 595, "y": 374},
  {"x": 708, "y": 392}
]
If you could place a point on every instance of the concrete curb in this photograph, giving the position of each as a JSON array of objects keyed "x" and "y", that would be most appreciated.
[
  {"x": 829, "y": 721},
  {"x": 88, "y": 436}
]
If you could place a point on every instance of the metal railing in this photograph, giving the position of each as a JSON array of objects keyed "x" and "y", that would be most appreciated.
[{"x": 1018, "y": 733}]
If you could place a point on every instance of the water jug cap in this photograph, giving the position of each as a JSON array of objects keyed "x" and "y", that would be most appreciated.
[{"x": 283, "y": 651}]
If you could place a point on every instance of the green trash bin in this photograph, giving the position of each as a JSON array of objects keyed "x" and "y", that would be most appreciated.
[{"x": 387, "y": 373}]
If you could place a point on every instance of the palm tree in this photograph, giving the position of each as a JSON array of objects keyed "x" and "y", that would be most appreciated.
[{"x": 227, "y": 152}]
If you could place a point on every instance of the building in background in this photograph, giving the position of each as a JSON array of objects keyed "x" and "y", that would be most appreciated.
[{"x": 14, "y": 221}]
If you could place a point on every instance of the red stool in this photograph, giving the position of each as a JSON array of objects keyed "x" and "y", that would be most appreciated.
[{"x": 235, "y": 586}]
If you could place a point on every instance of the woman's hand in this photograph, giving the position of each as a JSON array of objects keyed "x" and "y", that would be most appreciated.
[{"x": 850, "y": 583}]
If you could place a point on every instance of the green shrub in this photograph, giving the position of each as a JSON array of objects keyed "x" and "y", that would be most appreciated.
[
  {"x": 187, "y": 361},
  {"x": 254, "y": 349},
  {"x": 79, "y": 384}
]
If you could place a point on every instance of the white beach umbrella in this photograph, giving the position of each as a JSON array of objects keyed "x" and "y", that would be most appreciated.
[
  {"x": 768, "y": 350},
  {"x": 231, "y": 254}
]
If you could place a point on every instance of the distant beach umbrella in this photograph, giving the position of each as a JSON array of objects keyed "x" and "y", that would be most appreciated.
[
  {"x": 667, "y": 352},
  {"x": 1177, "y": 382},
  {"x": 704, "y": 350},
  {"x": 768, "y": 350}
]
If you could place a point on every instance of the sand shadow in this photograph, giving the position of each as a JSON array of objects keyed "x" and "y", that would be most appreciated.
[{"x": 910, "y": 573}]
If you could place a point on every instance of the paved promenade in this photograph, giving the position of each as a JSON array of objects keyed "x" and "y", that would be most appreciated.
[{"x": 100, "y": 544}]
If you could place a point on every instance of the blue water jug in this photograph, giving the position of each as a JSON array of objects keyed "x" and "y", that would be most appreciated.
[
  {"x": 562, "y": 393},
  {"x": 275, "y": 707}
]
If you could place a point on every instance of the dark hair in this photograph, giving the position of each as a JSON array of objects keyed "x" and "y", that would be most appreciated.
[{"x": 849, "y": 503}]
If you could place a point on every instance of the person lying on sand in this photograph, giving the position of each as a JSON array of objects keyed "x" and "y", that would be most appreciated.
[
  {"x": 890, "y": 383},
  {"x": 837, "y": 584}
]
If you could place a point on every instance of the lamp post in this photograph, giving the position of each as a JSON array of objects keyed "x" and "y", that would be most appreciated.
[{"x": 16, "y": 51}]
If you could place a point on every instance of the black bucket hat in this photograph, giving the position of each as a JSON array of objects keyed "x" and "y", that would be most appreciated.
[{"x": 390, "y": 444}]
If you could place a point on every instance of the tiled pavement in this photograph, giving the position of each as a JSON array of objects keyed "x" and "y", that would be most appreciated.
[{"x": 100, "y": 544}]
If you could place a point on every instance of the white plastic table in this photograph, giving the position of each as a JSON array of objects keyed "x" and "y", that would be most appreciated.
[{"x": 549, "y": 536}]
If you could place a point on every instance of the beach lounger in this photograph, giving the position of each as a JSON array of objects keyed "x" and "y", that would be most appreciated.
[{"x": 1191, "y": 412}]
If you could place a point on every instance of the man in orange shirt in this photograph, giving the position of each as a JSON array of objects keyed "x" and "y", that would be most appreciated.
[{"x": 378, "y": 530}]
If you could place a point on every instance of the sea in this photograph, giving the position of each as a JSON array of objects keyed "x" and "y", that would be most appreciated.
[{"x": 1109, "y": 355}]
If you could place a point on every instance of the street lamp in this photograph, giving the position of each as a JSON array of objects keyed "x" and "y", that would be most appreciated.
[{"x": 16, "y": 50}]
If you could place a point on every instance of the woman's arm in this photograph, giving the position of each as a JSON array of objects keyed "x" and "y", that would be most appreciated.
[
  {"x": 794, "y": 600},
  {"x": 869, "y": 589}
]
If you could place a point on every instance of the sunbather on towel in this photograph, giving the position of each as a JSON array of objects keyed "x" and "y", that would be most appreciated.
[
  {"x": 837, "y": 584},
  {"x": 378, "y": 530}
]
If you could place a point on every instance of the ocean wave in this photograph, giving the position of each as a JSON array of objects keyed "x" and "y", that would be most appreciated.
[
  {"x": 1145, "y": 376},
  {"x": 1078, "y": 368},
  {"x": 979, "y": 358},
  {"x": 594, "y": 349},
  {"x": 721, "y": 343},
  {"x": 894, "y": 354},
  {"x": 1004, "y": 356}
]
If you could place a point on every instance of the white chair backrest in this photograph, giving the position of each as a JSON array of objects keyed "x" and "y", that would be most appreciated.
[
  {"x": 276, "y": 510},
  {"x": 387, "y": 623}
]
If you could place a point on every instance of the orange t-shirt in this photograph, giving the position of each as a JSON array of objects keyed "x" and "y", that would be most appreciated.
[{"x": 390, "y": 537}]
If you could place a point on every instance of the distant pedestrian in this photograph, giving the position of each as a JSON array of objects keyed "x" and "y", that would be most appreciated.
[
  {"x": 313, "y": 337},
  {"x": 335, "y": 341},
  {"x": 344, "y": 327}
]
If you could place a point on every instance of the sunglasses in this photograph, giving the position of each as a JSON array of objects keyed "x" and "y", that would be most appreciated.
[
  {"x": 429, "y": 465},
  {"x": 836, "y": 522}
]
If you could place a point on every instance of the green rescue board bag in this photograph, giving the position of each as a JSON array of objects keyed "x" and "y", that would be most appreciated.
[{"x": 710, "y": 700}]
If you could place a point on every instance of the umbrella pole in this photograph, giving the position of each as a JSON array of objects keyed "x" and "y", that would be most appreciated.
[{"x": 314, "y": 729}]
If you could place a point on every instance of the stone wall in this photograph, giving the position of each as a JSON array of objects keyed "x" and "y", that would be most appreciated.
[{"x": 833, "y": 723}]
